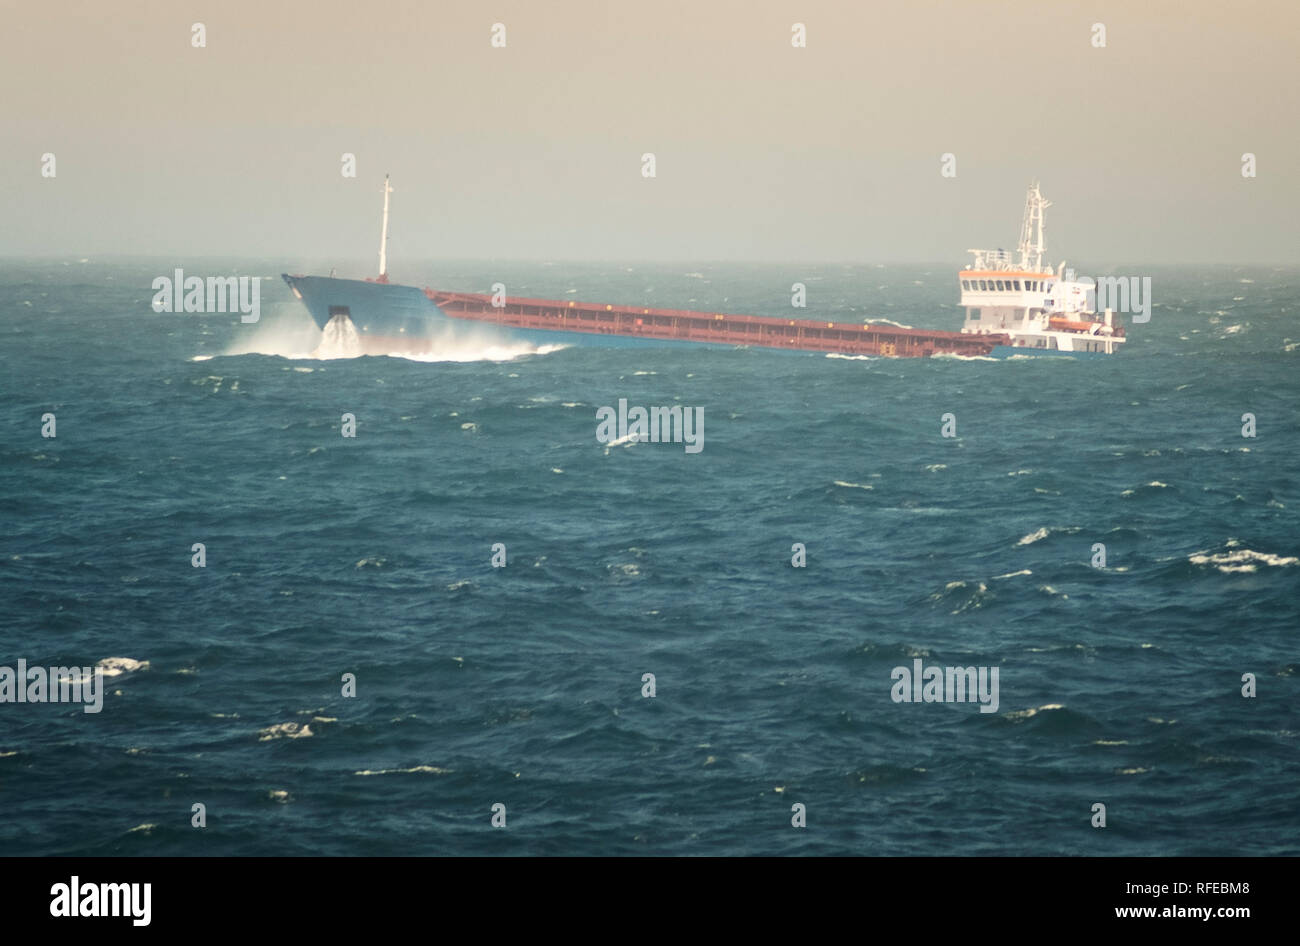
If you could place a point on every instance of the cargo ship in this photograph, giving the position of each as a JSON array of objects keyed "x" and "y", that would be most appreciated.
[
  {"x": 374, "y": 316},
  {"x": 1041, "y": 310}
]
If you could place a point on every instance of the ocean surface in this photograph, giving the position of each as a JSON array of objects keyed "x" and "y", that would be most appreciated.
[{"x": 522, "y": 686}]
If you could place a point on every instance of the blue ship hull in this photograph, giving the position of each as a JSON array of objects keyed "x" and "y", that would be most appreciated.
[{"x": 381, "y": 312}]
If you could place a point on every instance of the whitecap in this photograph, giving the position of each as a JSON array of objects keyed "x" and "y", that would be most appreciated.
[
  {"x": 290, "y": 730},
  {"x": 1033, "y": 537},
  {"x": 1241, "y": 560},
  {"x": 116, "y": 666},
  {"x": 848, "y": 485},
  {"x": 1033, "y": 711}
]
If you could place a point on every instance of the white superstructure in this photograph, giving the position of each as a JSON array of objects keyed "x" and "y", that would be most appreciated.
[{"x": 1042, "y": 310}]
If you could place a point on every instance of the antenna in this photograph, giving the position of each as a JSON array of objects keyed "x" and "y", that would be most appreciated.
[{"x": 383, "y": 236}]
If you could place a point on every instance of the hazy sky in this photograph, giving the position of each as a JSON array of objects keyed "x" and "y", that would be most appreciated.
[{"x": 764, "y": 152}]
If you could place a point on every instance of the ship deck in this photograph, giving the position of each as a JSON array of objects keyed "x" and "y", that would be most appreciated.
[{"x": 712, "y": 327}]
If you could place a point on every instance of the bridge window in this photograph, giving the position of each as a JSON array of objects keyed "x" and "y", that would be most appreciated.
[
  {"x": 965, "y": 284},
  {"x": 1017, "y": 285},
  {"x": 981, "y": 285}
]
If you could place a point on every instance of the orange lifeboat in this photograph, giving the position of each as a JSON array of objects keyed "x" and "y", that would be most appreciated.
[{"x": 1069, "y": 325}]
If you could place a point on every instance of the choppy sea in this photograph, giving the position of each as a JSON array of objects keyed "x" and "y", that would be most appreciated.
[{"x": 522, "y": 686}]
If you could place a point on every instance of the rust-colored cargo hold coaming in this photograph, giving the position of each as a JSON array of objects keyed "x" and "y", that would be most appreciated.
[{"x": 678, "y": 325}]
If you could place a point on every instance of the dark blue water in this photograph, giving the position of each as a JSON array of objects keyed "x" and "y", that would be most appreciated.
[{"x": 522, "y": 685}]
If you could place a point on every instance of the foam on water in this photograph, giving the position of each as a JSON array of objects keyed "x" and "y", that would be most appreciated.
[
  {"x": 1242, "y": 560},
  {"x": 299, "y": 340}
]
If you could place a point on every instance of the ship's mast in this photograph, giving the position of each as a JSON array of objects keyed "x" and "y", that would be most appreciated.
[
  {"x": 383, "y": 236},
  {"x": 1031, "y": 230}
]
